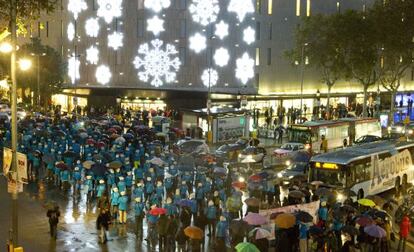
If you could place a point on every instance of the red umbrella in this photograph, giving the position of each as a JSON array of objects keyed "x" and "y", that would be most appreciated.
[
  {"x": 100, "y": 144},
  {"x": 90, "y": 141},
  {"x": 62, "y": 166},
  {"x": 238, "y": 184},
  {"x": 255, "y": 178},
  {"x": 364, "y": 221},
  {"x": 158, "y": 211}
]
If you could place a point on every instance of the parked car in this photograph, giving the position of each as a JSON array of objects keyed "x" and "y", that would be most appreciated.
[
  {"x": 286, "y": 152},
  {"x": 367, "y": 139},
  {"x": 191, "y": 146},
  {"x": 231, "y": 150},
  {"x": 252, "y": 154},
  {"x": 294, "y": 169}
]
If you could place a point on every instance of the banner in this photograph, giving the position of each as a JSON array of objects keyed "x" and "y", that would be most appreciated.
[
  {"x": 22, "y": 168},
  {"x": 7, "y": 160},
  {"x": 311, "y": 208}
]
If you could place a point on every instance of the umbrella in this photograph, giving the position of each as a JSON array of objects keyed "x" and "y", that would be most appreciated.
[
  {"x": 60, "y": 133},
  {"x": 83, "y": 135},
  {"x": 322, "y": 191},
  {"x": 303, "y": 216},
  {"x": 255, "y": 219},
  {"x": 375, "y": 231},
  {"x": 274, "y": 215},
  {"x": 88, "y": 164},
  {"x": 238, "y": 184},
  {"x": 259, "y": 233},
  {"x": 62, "y": 166},
  {"x": 364, "y": 221},
  {"x": 90, "y": 141},
  {"x": 194, "y": 233},
  {"x": 285, "y": 220},
  {"x": 158, "y": 211},
  {"x": 246, "y": 247},
  {"x": 220, "y": 170},
  {"x": 366, "y": 202},
  {"x": 100, "y": 144},
  {"x": 255, "y": 178},
  {"x": 70, "y": 154},
  {"x": 377, "y": 200},
  {"x": 98, "y": 169},
  {"x": 350, "y": 230},
  {"x": 315, "y": 230},
  {"x": 185, "y": 203},
  {"x": 157, "y": 161},
  {"x": 112, "y": 131},
  {"x": 117, "y": 127},
  {"x": 97, "y": 157},
  {"x": 254, "y": 202},
  {"x": 239, "y": 227},
  {"x": 296, "y": 194},
  {"x": 316, "y": 183},
  {"x": 120, "y": 140},
  {"x": 115, "y": 164},
  {"x": 348, "y": 208},
  {"x": 128, "y": 136},
  {"x": 185, "y": 168},
  {"x": 114, "y": 136}
]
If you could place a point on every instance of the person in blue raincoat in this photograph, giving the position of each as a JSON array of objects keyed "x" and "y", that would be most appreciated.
[
  {"x": 221, "y": 231},
  {"x": 129, "y": 180},
  {"x": 100, "y": 189},
  {"x": 139, "y": 191},
  {"x": 114, "y": 202},
  {"x": 88, "y": 185},
  {"x": 110, "y": 177},
  {"x": 183, "y": 190},
  {"x": 211, "y": 213},
  {"x": 149, "y": 188},
  {"x": 127, "y": 165},
  {"x": 65, "y": 177},
  {"x": 154, "y": 200},
  {"x": 139, "y": 208},
  {"x": 56, "y": 172},
  {"x": 168, "y": 183},
  {"x": 152, "y": 227},
  {"x": 122, "y": 208},
  {"x": 173, "y": 170},
  {"x": 323, "y": 214},
  {"x": 199, "y": 195},
  {"x": 194, "y": 208},
  {"x": 171, "y": 208},
  {"x": 159, "y": 190},
  {"x": 137, "y": 159},
  {"x": 77, "y": 180},
  {"x": 121, "y": 184},
  {"x": 177, "y": 196}
]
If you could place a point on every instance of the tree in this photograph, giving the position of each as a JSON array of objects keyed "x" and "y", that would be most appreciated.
[
  {"x": 319, "y": 37},
  {"x": 359, "y": 45},
  {"x": 395, "y": 27},
  {"x": 26, "y": 11}
]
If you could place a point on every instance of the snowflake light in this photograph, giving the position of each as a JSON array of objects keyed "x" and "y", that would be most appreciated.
[
  {"x": 244, "y": 68},
  {"x": 73, "y": 69},
  {"x": 198, "y": 42},
  {"x": 115, "y": 40},
  {"x": 241, "y": 8},
  {"x": 92, "y": 27},
  {"x": 103, "y": 74},
  {"x": 221, "y": 57},
  {"x": 249, "y": 35},
  {"x": 71, "y": 31},
  {"x": 204, "y": 12},
  {"x": 155, "y": 25},
  {"x": 157, "y": 62},
  {"x": 92, "y": 55},
  {"x": 76, "y": 7},
  {"x": 157, "y": 5},
  {"x": 209, "y": 77},
  {"x": 222, "y": 30},
  {"x": 109, "y": 9}
]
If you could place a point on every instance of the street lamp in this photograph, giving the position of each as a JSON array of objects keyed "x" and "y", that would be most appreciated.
[
  {"x": 25, "y": 64},
  {"x": 6, "y": 47}
]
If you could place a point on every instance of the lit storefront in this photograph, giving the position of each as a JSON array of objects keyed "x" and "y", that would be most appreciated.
[{"x": 143, "y": 104}]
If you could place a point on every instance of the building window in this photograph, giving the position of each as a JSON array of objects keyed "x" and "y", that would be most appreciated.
[
  {"x": 270, "y": 31},
  {"x": 183, "y": 57},
  {"x": 140, "y": 28},
  {"x": 259, "y": 6},
  {"x": 183, "y": 28},
  {"x": 269, "y": 7},
  {"x": 257, "y": 30},
  {"x": 47, "y": 29},
  {"x": 308, "y": 8},
  {"x": 269, "y": 56},
  {"x": 297, "y": 8},
  {"x": 257, "y": 61}
]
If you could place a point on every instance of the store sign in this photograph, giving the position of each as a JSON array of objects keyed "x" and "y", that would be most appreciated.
[{"x": 22, "y": 168}]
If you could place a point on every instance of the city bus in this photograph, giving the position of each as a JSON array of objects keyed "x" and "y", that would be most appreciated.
[
  {"x": 335, "y": 132},
  {"x": 367, "y": 169}
]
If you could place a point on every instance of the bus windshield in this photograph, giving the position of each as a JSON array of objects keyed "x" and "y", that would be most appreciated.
[
  {"x": 330, "y": 177},
  {"x": 299, "y": 135}
]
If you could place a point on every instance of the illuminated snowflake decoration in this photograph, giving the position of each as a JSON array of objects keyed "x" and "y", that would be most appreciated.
[
  {"x": 157, "y": 63},
  {"x": 204, "y": 12},
  {"x": 115, "y": 40},
  {"x": 241, "y": 8},
  {"x": 76, "y": 7},
  {"x": 73, "y": 69},
  {"x": 92, "y": 27},
  {"x": 221, "y": 57},
  {"x": 157, "y": 5},
  {"x": 155, "y": 25},
  {"x": 244, "y": 68},
  {"x": 249, "y": 35},
  {"x": 198, "y": 42},
  {"x": 71, "y": 31},
  {"x": 222, "y": 30},
  {"x": 92, "y": 55},
  {"x": 209, "y": 77},
  {"x": 109, "y": 9},
  {"x": 103, "y": 74}
]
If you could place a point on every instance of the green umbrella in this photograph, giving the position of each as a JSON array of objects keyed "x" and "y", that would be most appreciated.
[{"x": 246, "y": 247}]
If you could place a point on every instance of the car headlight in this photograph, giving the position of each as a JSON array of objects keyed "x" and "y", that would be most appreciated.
[
  {"x": 279, "y": 175},
  {"x": 241, "y": 179},
  {"x": 340, "y": 197},
  {"x": 287, "y": 163}
]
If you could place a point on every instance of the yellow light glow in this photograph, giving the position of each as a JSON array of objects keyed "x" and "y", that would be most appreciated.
[
  {"x": 330, "y": 166},
  {"x": 318, "y": 165},
  {"x": 308, "y": 8},
  {"x": 298, "y": 8},
  {"x": 6, "y": 47},
  {"x": 25, "y": 64},
  {"x": 269, "y": 7}
]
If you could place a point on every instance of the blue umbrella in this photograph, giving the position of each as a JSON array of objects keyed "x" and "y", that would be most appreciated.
[
  {"x": 185, "y": 203},
  {"x": 220, "y": 170},
  {"x": 185, "y": 168}
]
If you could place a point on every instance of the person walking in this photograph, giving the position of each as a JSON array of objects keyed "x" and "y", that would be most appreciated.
[
  {"x": 102, "y": 224},
  {"x": 53, "y": 215},
  {"x": 162, "y": 229},
  {"x": 405, "y": 227},
  {"x": 181, "y": 239},
  {"x": 139, "y": 216},
  {"x": 122, "y": 208}
]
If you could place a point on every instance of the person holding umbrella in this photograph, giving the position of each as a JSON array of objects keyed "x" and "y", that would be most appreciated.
[
  {"x": 114, "y": 202},
  {"x": 102, "y": 224},
  {"x": 88, "y": 186},
  {"x": 211, "y": 213},
  {"x": 221, "y": 230}
]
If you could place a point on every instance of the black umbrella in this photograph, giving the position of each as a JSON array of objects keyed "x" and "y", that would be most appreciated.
[
  {"x": 239, "y": 227},
  {"x": 70, "y": 154},
  {"x": 303, "y": 216},
  {"x": 98, "y": 169}
]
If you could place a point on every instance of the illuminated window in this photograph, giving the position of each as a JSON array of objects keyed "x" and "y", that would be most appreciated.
[
  {"x": 308, "y": 8},
  {"x": 259, "y": 6},
  {"x": 269, "y": 56},
  {"x": 298, "y": 8},
  {"x": 257, "y": 61},
  {"x": 269, "y": 7}
]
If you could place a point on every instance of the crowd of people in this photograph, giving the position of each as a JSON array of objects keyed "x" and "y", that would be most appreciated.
[{"x": 134, "y": 178}]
